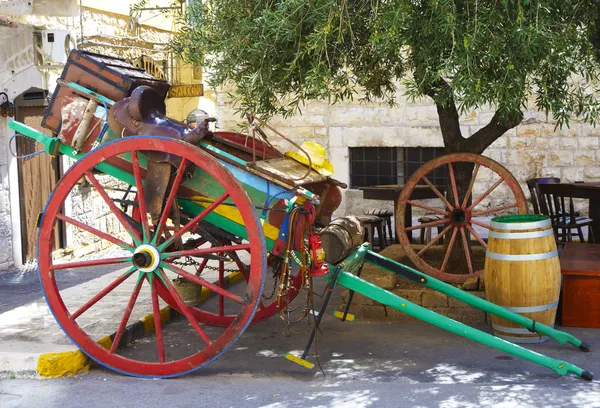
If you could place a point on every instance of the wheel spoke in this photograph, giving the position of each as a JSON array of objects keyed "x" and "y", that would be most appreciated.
[
  {"x": 201, "y": 266},
  {"x": 470, "y": 188},
  {"x": 449, "y": 250},
  {"x": 466, "y": 249},
  {"x": 481, "y": 224},
  {"x": 184, "y": 309},
  {"x": 205, "y": 251},
  {"x": 438, "y": 193},
  {"x": 484, "y": 195},
  {"x": 426, "y": 207},
  {"x": 113, "y": 208},
  {"x": 167, "y": 210},
  {"x": 221, "y": 282},
  {"x": 472, "y": 230},
  {"x": 453, "y": 182},
  {"x": 495, "y": 209},
  {"x": 203, "y": 282},
  {"x": 436, "y": 239},
  {"x": 91, "y": 262},
  {"x": 140, "y": 194},
  {"x": 94, "y": 231},
  {"x": 126, "y": 315},
  {"x": 428, "y": 224},
  {"x": 194, "y": 221},
  {"x": 157, "y": 324},
  {"x": 102, "y": 293}
]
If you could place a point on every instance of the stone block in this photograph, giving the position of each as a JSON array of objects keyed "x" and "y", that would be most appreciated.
[
  {"x": 422, "y": 136},
  {"x": 412, "y": 295},
  {"x": 572, "y": 174},
  {"x": 369, "y": 312},
  {"x": 433, "y": 299},
  {"x": 521, "y": 142},
  {"x": 357, "y": 299},
  {"x": 384, "y": 280},
  {"x": 423, "y": 116},
  {"x": 335, "y": 137},
  {"x": 588, "y": 143},
  {"x": 371, "y": 136},
  {"x": 592, "y": 173},
  {"x": 561, "y": 158},
  {"x": 457, "y": 304},
  {"x": 568, "y": 143}
]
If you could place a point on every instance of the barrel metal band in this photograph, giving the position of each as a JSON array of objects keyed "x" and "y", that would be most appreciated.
[
  {"x": 531, "y": 309},
  {"x": 526, "y": 257},
  {"x": 513, "y": 330},
  {"x": 520, "y": 225},
  {"x": 521, "y": 235}
]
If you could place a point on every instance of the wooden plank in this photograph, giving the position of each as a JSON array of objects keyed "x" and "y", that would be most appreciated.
[{"x": 286, "y": 170}]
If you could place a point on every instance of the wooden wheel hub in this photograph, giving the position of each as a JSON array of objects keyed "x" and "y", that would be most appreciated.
[
  {"x": 146, "y": 258},
  {"x": 459, "y": 217}
]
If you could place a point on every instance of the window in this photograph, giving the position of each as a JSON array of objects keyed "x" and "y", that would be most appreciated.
[{"x": 370, "y": 166}]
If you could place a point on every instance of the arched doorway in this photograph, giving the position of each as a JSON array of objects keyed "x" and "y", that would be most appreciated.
[{"x": 37, "y": 175}]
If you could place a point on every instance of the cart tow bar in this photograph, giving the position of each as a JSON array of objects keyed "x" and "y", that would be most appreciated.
[{"x": 343, "y": 276}]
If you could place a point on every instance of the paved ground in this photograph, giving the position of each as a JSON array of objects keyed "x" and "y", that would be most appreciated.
[{"x": 365, "y": 364}]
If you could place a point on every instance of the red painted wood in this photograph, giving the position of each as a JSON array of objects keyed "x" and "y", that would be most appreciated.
[
  {"x": 251, "y": 292},
  {"x": 403, "y": 229}
]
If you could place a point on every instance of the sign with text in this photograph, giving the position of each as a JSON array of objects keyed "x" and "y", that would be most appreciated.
[{"x": 185, "y": 91}]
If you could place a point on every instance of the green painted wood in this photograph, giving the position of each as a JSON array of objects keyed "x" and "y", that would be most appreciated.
[
  {"x": 479, "y": 303},
  {"x": 387, "y": 298}
]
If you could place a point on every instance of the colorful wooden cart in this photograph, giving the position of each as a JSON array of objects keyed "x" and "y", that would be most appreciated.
[{"x": 227, "y": 199}]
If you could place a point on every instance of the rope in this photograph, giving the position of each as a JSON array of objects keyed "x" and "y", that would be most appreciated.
[{"x": 14, "y": 154}]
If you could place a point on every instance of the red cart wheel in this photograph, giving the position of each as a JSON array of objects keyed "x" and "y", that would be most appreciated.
[
  {"x": 214, "y": 313},
  {"x": 457, "y": 210},
  {"x": 147, "y": 258}
]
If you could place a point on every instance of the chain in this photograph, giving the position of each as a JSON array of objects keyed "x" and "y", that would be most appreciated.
[{"x": 189, "y": 261}]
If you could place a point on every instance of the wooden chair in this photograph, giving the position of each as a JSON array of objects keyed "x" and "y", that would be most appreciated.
[
  {"x": 371, "y": 223},
  {"x": 386, "y": 216},
  {"x": 556, "y": 197},
  {"x": 536, "y": 197},
  {"x": 425, "y": 235}
]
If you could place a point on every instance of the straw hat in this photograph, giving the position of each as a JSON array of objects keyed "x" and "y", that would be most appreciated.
[{"x": 318, "y": 157}]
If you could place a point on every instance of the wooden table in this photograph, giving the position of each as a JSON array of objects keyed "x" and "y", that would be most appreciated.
[
  {"x": 580, "y": 269},
  {"x": 392, "y": 192},
  {"x": 591, "y": 191}
]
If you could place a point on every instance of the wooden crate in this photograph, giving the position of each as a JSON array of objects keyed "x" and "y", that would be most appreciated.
[
  {"x": 110, "y": 76},
  {"x": 580, "y": 268}
]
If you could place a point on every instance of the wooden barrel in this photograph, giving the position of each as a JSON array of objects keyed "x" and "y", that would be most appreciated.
[
  {"x": 522, "y": 273},
  {"x": 340, "y": 238}
]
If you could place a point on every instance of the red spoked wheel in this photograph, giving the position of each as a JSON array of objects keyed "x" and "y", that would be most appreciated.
[
  {"x": 140, "y": 275},
  {"x": 214, "y": 312},
  {"x": 477, "y": 188}
]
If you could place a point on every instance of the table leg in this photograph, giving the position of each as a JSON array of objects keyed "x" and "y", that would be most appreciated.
[{"x": 595, "y": 215}]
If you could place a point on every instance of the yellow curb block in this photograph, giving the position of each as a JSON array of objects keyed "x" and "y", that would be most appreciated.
[
  {"x": 70, "y": 363},
  {"x": 65, "y": 364}
]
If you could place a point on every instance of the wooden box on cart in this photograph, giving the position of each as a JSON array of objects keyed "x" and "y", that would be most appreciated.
[{"x": 110, "y": 76}]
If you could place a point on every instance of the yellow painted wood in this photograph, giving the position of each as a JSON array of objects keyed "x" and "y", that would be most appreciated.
[
  {"x": 340, "y": 315},
  {"x": 299, "y": 361},
  {"x": 232, "y": 214},
  {"x": 530, "y": 283}
]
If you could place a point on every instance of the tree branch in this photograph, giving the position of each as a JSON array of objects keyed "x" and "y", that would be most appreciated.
[
  {"x": 488, "y": 134},
  {"x": 443, "y": 96}
]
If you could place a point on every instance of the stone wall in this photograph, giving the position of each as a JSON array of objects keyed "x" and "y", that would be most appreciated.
[
  {"x": 6, "y": 256},
  {"x": 533, "y": 149}
]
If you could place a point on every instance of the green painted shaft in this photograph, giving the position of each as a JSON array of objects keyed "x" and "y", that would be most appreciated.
[
  {"x": 560, "y": 336},
  {"x": 369, "y": 290}
]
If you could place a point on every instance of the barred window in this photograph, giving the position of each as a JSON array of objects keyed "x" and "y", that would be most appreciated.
[{"x": 371, "y": 166}]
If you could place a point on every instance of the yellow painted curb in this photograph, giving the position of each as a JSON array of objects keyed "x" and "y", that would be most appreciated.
[
  {"x": 69, "y": 363},
  {"x": 65, "y": 364}
]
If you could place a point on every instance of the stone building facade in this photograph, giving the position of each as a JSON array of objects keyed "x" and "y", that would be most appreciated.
[{"x": 105, "y": 27}]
